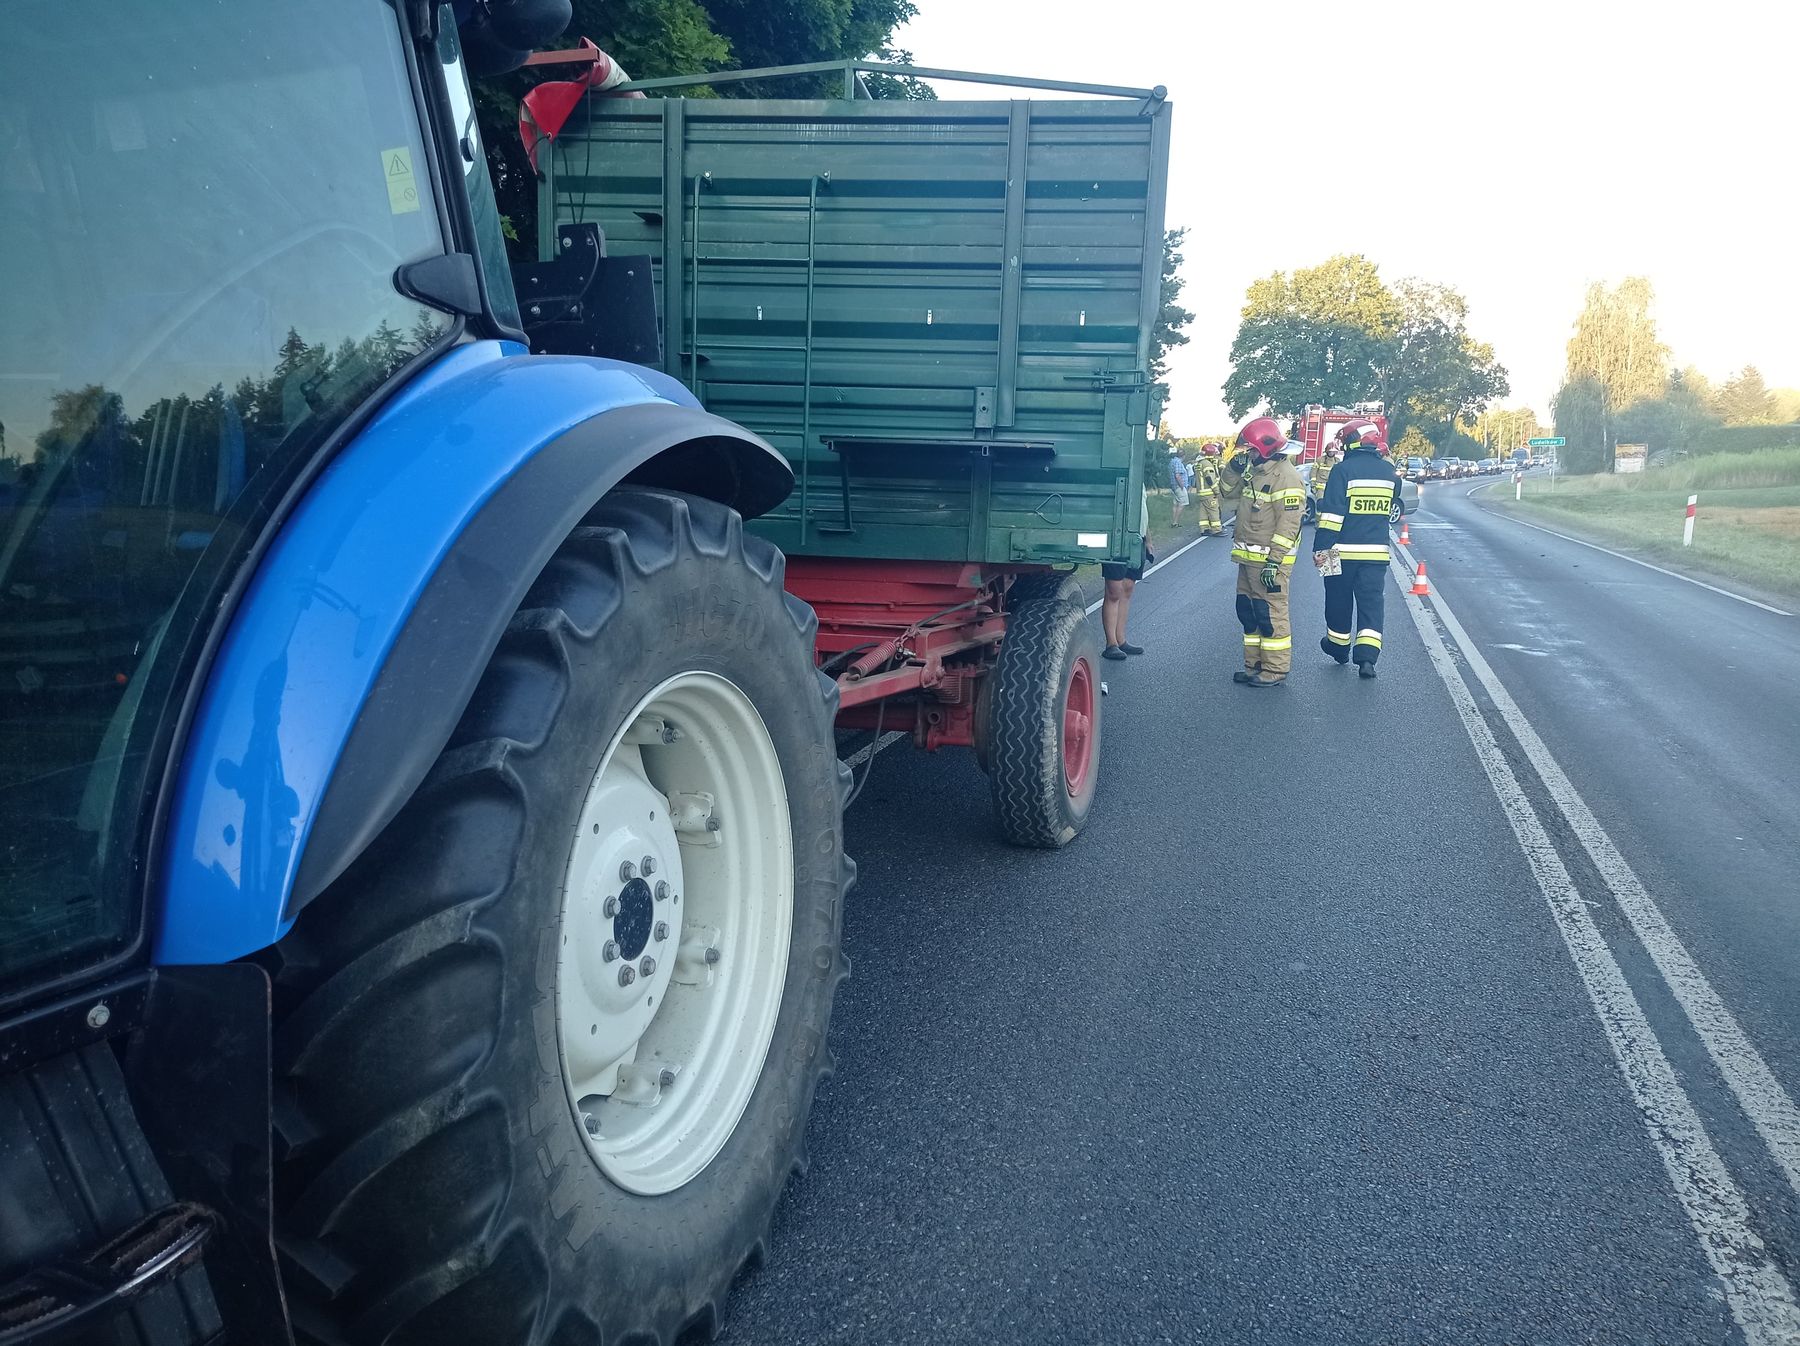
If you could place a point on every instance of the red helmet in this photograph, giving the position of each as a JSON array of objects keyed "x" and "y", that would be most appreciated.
[
  {"x": 1263, "y": 437},
  {"x": 1210, "y": 448},
  {"x": 1362, "y": 435}
]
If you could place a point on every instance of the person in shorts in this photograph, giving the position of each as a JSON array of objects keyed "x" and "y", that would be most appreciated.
[
  {"x": 1181, "y": 476},
  {"x": 1121, "y": 578}
]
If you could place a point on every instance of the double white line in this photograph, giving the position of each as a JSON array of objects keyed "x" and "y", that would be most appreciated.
[{"x": 1758, "y": 1293}]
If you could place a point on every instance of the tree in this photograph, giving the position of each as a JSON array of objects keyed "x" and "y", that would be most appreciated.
[
  {"x": 1412, "y": 444},
  {"x": 1579, "y": 408},
  {"x": 1171, "y": 318},
  {"x": 1314, "y": 336},
  {"x": 1746, "y": 400},
  {"x": 1787, "y": 405},
  {"x": 1698, "y": 385},
  {"x": 1432, "y": 371},
  {"x": 1504, "y": 429},
  {"x": 655, "y": 38},
  {"x": 1335, "y": 334},
  {"x": 1615, "y": 348}
]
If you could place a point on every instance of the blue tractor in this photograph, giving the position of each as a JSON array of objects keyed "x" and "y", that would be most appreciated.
[{"x": 421, "y": 862}]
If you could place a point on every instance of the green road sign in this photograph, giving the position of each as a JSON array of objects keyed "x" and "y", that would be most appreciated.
[{"x": 1553, "y": 443}]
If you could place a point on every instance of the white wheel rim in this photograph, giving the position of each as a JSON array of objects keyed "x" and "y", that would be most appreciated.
[{"x": 661, "y": 1065}]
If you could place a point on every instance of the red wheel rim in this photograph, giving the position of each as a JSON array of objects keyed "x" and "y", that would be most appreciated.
[{"x": 1078, "y": 727}]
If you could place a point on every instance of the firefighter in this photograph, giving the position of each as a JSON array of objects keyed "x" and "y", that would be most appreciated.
[
  {"x": 1353, "y": 522},
  {"x": 1206, "y": 490},
  {"x": 1264, "y": 542},
  {"x": 1319, "y": 471}
]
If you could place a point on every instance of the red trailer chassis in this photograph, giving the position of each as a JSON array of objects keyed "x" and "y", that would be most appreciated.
[{"x": 915, "y": 646}]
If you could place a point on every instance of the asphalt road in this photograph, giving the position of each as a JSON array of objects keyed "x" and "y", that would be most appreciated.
[{"x": 1304, "y": 1039}]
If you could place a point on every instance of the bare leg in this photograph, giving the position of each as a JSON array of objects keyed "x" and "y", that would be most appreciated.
[{"x": 1112, "y": 621}]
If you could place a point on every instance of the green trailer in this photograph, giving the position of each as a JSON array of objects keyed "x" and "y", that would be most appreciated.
[{"x": 941, "y": 313}]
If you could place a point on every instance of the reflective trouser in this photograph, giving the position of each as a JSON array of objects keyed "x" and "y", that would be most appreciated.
[
  {"x": 1268, "y": 642},
  {"x": 1354, "y": 602},
  {"x": 1208, "y": 506}
]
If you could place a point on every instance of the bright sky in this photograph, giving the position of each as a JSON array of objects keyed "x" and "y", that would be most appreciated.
[{"x": 1516, "y": 152}]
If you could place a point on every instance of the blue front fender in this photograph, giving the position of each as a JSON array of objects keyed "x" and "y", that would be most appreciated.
[{"x": 333, "y": 594}]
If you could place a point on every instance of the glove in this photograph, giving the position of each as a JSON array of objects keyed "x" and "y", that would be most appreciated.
[{"x": 1271, "y": 577}]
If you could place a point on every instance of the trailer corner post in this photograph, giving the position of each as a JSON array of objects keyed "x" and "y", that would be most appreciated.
[
  {"x": 806, "y": 380},
  {"x": 674, "y": 127},
  {"x": 1012, "y": 262},
  {"x": 1687, "y": 525}
]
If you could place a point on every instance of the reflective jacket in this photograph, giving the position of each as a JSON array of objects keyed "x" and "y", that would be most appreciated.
[
  {"x": 1319, "y": 473},
  {"x": 1206, "y": 476},
  {"x": 1272, "y": 503},
  {"x": 1353, "y": 516}
]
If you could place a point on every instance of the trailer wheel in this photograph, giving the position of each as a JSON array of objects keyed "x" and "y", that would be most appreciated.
[
  {"x": 1043, "y": 725},
  {"x": 545, "y": 1054},
  {"x": 1040, "y": 586}
]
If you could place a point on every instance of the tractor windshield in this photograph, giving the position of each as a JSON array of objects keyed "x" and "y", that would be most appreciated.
[{"x": 201, "y": 210}]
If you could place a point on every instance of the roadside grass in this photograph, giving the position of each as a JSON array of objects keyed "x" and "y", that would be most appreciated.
[
  {"x": 1747, "y": 527},
  {"x": 1710, "y": 472}
]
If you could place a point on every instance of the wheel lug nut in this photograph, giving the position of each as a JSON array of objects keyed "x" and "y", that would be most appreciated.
[
  {"x": 609, "y": 951},
  {"x": 662, "y": 890},
  {"x": 590, "y": 1123},
  {"x": 627, "y": 871},
  {"x": 610, "y": 907},
  {"x": 649, "y": 865},
  {"x": 662, "y": 931},
  {"x": 712, "y": 956},
  {"x": 627, "y": 975},
  {"x": 647, "y": 966},
  {"x": 666, "y": 1078}
]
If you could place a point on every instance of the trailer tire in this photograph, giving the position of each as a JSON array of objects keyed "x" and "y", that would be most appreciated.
[
  {"x": 1043, "y": 730},
  {"x": 1041, "y": 586},
  {"x": 438, "y": 1180}
]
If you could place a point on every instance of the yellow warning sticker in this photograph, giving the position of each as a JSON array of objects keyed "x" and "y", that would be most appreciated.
[{"x": 402, "y": 187}]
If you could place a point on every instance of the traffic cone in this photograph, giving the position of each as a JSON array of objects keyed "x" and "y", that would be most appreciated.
[
  {"x": 1405, "y": 534},
  {"x": 1420, "y": 587}
]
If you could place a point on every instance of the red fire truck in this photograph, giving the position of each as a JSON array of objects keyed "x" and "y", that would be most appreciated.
[{"x": 1318, "y": 426}]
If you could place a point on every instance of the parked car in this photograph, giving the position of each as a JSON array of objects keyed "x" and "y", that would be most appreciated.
[{"x": 1406, "y": 502}]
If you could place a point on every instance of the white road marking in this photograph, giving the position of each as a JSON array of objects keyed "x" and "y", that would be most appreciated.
[
  {"x": 1672, "y": 574},
  {"x": 1760, "y": 1298},
  {"x": 1758, "y": 1092}
]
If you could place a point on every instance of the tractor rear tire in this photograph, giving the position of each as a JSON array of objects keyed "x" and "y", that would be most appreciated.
[
  {"x": 1043, "y": 724},
  {"x": 437, "y": 1180}
]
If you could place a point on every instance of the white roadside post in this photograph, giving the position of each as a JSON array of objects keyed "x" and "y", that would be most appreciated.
[
  {"x": 1687, "y": 527},
  {"x": 1518, "y": 485}
]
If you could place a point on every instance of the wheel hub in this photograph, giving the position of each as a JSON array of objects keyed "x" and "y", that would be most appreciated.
[
  {"x": 673, "y": 948},
  {"x": 637, "y": 913},
  {"x": 1078, "y": 727}
]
